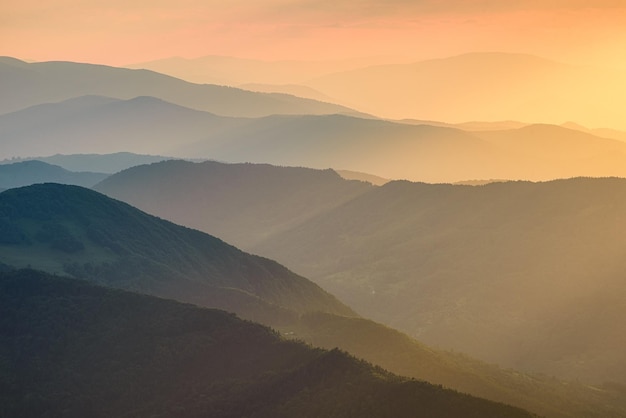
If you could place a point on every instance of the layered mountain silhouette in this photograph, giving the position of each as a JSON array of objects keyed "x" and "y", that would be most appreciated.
[
  {"x": 601, "y": 132},
  {"x": 74, "y": 349},
  {"x": 268, "y": 199},
  {"x": 483, "y": 86},
  {"x": 522, "y": 274},
  {"x": 101, "y": 163},
  {"x": 418, "y": 152},
  {"x": 28, "y": 84},
  {"x": 96, "y": 124},
  {"x": 29, "y": 172},
  {"x": 293, "y": 89},
  {"x": 79, "y": 232},
  {"x": 232, "y": 71}
]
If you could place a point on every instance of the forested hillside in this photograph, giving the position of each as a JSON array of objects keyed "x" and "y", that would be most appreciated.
[{"x": 69, "y": 348}]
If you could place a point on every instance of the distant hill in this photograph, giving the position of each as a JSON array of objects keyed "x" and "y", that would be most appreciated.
[
  {"x": 100, "y": 125},
  {"x": 73, "y": 349},
  {"x": 102, "y": 163},
  {"x": 387, "y": 149},
  {"x": 355, "y": 175},
  {"x": 267, "y": 199},
  {"x": 28, "y": 84},
  {"x": 568, "y": 150},
  {"x": 294, "y": 89},
  {"x": 601, "y": 132},
  {"x": 419, "y": 152},
  {"x": 80, "y": 232},
  {"x": 29, "y": 172},
  {"x": 232, "y": 71},
  {"x": 483, "y": 86},
  {"x": 470, "y": 126},
  {"x": 76, "y": 231}
]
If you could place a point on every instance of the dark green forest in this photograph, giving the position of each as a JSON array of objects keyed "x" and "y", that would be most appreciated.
[{"x": 72, "y": 349}]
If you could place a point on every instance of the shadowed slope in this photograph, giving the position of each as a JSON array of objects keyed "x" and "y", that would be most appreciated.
[
  {"x": 81, "y": 232},
  {"x": 73, "y": 349}
]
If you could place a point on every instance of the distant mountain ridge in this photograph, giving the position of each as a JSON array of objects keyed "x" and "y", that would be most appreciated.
[
  {"x": 235, "y": 71},
  {"x": 97, "y": 124},
  {"x": 268, "y": 199},
  {"x": 29, "y": 172},
  {"x": 483, "y": 86},
  {"x": 103, "y": 163},
  {"x": 28, "y": 84},
  {"x": 418, "y": 152}
]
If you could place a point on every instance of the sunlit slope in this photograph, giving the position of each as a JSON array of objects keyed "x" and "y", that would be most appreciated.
[
  {"x": 27, "y": 84},
  {"x": 80, "y": 232},
  {"x": 548, "y": 151},
  {"x": 484, "y": 87},
  {"x": 528, "y": 275},
  {"x": 75, "y": 349}
]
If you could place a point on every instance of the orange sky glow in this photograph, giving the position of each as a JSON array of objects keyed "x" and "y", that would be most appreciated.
[{"x": 119, "y": 32}]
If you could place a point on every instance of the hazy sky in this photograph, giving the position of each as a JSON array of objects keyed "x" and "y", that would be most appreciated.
[{"x": 126, "y": 31}]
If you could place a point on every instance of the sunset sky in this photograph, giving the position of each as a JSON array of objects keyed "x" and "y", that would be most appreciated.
[{"x": 119, "y": 32}]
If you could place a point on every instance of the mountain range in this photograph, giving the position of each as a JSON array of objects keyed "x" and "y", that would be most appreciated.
[
  {"x": 232, "y": 71},
  {"x": 517, "y": 273},
  {"x": 78, "y": 232},
  {"x": 520, "y": 279},
  {"x": 28, "y": 84},
  {"x": 418, "y": 152},
  {"x": 101, "y": 163},
  {"x": 481, "y": 86}
]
